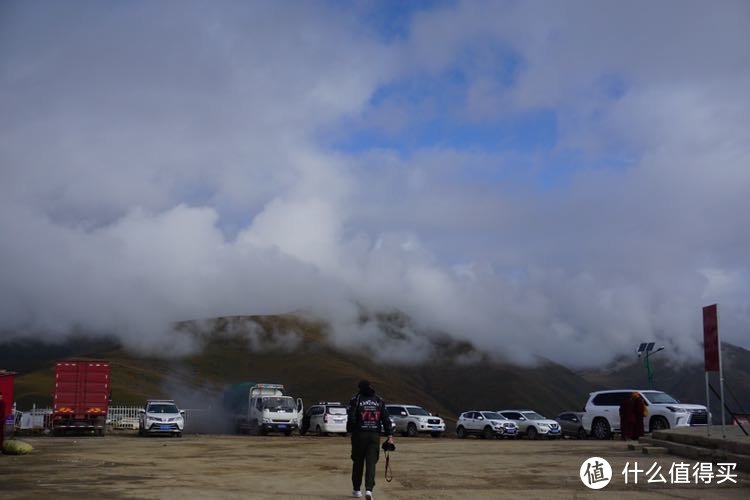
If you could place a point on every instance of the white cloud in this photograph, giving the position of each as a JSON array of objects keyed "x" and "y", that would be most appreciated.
[{"x": 162, "y": 163}]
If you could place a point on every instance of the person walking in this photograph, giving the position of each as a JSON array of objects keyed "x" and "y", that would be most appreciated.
[
  {"x": 638, "y": 407},
  {"x": 366, "y": 416}
]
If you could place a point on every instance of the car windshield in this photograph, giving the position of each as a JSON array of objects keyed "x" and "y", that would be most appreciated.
[
  {"x": 337, "y": 410},
  {"x": 418, "y": 411},
  {"x": 659, "y": 398},
  {"x": 491, "y": 415},
  {"x": 532, "y": 415},
  {"x": 278, "y": 404},
  {"x": 162, "y": 408}
]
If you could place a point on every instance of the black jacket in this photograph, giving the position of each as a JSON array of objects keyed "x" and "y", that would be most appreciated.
[{"x": 367, "y": 412}]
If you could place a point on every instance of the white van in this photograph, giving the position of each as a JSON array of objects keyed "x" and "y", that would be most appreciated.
[{"x": 323, "y": 418}]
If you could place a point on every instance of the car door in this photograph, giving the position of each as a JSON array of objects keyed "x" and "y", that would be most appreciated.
[
  {"x": 569, "y": 423},
  {"x": 609, "y": 404},
  {"x": 316, "y": 412},
  {"x": 398, "y": 414},
  {"x": 469, "y": 423}
]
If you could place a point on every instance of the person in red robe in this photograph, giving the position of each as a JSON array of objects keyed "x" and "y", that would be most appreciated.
[
  {"x": 638, "y": 407},
  {"x": 2, "y": 421},
  {"x": 626, "y": 418}
]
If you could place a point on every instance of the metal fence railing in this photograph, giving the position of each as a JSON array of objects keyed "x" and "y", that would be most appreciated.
[
  {"x": 123, "y": 417},
  {"x": 34, "y": 420},
  {"x": 119, "y": 417}
]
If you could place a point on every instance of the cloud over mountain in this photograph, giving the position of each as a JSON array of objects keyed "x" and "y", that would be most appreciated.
[{"x": 563, "y": 181}]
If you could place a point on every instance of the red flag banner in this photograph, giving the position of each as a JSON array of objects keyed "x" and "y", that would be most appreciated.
[{"x": 711, "y": 338}]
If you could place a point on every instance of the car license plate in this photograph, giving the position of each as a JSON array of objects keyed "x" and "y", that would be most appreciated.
[
  {"x": 435, "y": 427},
  {"x": 164, "y": 427},
  {"x": 282, "y": 426},
  {"x": 554, "y": 431}
]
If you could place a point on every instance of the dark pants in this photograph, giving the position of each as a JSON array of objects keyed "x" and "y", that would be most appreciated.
[{"x": 365, "y": 454}]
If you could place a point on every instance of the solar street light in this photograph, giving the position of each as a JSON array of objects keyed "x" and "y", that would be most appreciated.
[{"x": 646, "y": 350}]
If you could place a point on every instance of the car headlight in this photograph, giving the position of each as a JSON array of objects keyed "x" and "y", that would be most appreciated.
[
  {"x": 266, "y": 420},
  {"x": 676, "y": 409}
]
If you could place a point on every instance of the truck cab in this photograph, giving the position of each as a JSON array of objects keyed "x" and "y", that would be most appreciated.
[{"x": 270, "y": 410}]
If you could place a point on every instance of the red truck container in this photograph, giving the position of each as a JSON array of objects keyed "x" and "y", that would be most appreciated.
[
  {"x": 7, "y": 380},
  {"x": 82, "y": 390}
]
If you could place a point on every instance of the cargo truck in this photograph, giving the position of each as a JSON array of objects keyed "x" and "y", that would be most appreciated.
[
  {"x": 262, "y": 408},
  {"x": 82, "y": 392}
]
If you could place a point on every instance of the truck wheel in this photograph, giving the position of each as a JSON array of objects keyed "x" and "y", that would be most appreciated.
[
  {"x": 411, "y": 430},
  {"x": 581, "y": 433},
  {"x": 600, "y": 429},
  {"x": 461, "y": 432},
  {"x": 531, "y": 432},
  {"x": 258, "y": 428},
  {"x": 487, "y": 433}
]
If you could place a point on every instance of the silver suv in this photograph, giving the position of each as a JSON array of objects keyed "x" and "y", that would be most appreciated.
[
  {"x": 532, "y": 424},
  {"x": 486, "y": 425},
  {"x": 411, "y": 420},
  {"x": 161, "y": 416},
  {"x": 602, "y": 412}
]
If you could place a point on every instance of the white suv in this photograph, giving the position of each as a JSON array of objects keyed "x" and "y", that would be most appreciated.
[
  {"x": 412, "y": 419},
  {"x": 533, "y": 424},
  {"x": 485, "y": 424},
  {"x": 602, "y": 412},
  {"x": 161, "y": 416},
  {"x": 323, "y": 418}
]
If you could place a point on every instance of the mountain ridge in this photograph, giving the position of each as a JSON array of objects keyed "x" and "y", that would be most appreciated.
[{"x": 298, "y": 352}]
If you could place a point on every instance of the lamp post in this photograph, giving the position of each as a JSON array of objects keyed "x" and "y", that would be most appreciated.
[{"x": 646, "y": 350}]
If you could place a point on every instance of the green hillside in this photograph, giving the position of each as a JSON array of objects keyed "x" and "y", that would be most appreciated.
[
  {"x": 296, "y": 352},
  {"x": 258, "y": 348}
]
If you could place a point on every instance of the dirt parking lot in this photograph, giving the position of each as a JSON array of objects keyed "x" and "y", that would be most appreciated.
[{"x": 204, "y": 466}]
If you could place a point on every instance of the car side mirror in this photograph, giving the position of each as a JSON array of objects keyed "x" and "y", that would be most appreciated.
[
  {"x": 141, "y": 412},
  {"x": 574, "y": 419},
  {"x": 480, "y": 418},
  {"x": 182, "y": 412},
  {"x": 403, "y": 413},
  {"x": 521, "y": 418}
]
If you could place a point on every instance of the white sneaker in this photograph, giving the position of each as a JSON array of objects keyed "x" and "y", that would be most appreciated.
[
  {"x": 356, "y": 494},
  {"x": 368, "y": 495}
]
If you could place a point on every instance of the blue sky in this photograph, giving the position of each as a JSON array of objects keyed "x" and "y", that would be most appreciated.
[{"x": 518, "y": 174}]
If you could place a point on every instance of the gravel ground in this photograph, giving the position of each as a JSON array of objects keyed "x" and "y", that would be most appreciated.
[{"x": 208, "y": 466}]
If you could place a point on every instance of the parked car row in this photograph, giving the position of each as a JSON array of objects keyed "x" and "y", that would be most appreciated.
[{"x": 600, "y": 419}]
